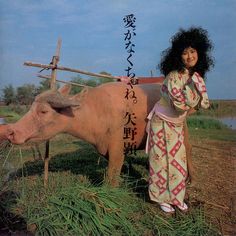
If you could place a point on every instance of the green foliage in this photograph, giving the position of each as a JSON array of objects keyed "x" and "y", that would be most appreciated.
[
  {"x": 9, "y": 94},
  {"x": 26, "y": 94},
  {"x": 202, "y": 122},
  {"x": 214, "y": 134},
  {"x": 9, "y": 114},
  {"x": 78, "y": 80},
  {"x": 219, "y": 108},
  {"x": 205, "y": 127},
  {"x": 104, "y": 80},
  {"x": 23, "y": 95},
  {"x": 193, "y": 223},
  {"x": 19, "y": 109},
  {"x": 92, "y": 82},
  {"x": 72, "y": 206},
  {"x": 44, "y": 85}
]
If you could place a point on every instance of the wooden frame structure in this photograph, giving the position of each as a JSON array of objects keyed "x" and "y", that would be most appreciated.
[{"x": 53, "y": 66}]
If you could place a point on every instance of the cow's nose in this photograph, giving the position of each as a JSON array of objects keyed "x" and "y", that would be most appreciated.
[{"x": 10, "y": 135}]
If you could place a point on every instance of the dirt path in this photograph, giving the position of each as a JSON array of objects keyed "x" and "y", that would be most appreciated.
[{"x": 215, "y": 164}]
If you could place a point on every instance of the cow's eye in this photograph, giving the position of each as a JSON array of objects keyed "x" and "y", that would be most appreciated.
[{"x": 44, "y": 112}]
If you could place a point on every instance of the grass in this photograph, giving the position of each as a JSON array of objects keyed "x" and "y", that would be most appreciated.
[
  {"x": 214, "y": 134},
  {"x": 209, "y": 128},
  {"x": 193, "y": 223},
  {"x": 202, "y": 122},
  {"x": 77, "y": 203},
  {"x": 72, "y": 206},
  {"x": 9, "y": 114},
  {"x": 220, "y": 108}
]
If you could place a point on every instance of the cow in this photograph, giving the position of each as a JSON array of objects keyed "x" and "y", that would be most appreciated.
[
  {"x": 4, "y": 132},
  {"x": 96, "y": 115}
]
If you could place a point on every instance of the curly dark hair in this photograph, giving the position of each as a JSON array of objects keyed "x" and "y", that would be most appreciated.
[{"x": 194, "y": 37}]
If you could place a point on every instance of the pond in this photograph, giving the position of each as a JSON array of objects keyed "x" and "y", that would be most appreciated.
[{"x": 229, "y": 121}]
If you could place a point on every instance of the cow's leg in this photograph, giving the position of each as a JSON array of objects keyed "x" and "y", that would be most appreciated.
[
  {"x": 116, "y": 160},
  {"x": 188, "y": 146}
]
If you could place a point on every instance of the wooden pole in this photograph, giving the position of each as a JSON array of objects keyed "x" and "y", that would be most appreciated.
[
  {"x": 55, "y": 60},
  {"x": 61, "y": 81},
  {"x": 46, "y": 164},
  {"x": 51, "y": 66}
]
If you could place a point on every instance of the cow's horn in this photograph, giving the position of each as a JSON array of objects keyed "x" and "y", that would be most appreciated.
[{"x": 56, "y": 100}]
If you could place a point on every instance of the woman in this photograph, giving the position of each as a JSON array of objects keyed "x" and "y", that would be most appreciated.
[{"x": 184, "y": 65}]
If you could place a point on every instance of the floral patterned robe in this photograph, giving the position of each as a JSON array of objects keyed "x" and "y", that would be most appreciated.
[{"x": 165, "y": 144}]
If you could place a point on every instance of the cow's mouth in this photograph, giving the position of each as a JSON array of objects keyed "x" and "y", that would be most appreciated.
[
  {"x": 16, "y": 139},
  {"x": 38, "y": 139}
]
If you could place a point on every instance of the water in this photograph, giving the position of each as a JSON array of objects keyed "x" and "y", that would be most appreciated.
[
  {"x": 2, "y": 121},
  {"x": 229, "y": 121}
]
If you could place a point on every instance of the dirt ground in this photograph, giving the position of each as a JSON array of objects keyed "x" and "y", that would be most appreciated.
[{"x": 215, "y": 185}]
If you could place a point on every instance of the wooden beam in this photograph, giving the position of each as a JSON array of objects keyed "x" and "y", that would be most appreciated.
[
  {"x": 61, "y": 81},
  {"x": 45, "y": 66}
]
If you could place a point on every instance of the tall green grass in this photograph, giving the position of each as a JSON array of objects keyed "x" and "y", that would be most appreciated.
[
  {"x": 193, "y": 223},
  {"x": 72, "y": 206},
  {"x": 210, "y": 128},
  {"x": 202, "y": 122}
]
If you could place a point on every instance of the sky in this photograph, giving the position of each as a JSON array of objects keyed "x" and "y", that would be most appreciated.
[{"x": 92, "y": 34}]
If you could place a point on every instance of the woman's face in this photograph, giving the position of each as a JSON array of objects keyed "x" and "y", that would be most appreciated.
[{"x": 189, "y": 57}]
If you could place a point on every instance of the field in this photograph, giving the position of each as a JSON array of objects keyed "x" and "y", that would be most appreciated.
[{"x": 78, "y": 201}]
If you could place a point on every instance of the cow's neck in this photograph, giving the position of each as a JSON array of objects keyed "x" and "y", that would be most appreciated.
[{"x": 90, "y": 121}]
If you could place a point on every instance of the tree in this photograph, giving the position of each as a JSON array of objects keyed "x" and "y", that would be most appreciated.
[
  {"x": 79, "y": 80},
  {"x": 26, "y": 94},
  {"x": 104, "y": 80},
  {"x": 45, "y": 85},
  {"x": 9, "y": 94},
  {"x": 92, "y": 82}
]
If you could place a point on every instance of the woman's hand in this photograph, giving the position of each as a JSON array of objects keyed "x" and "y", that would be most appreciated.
[{"x": 191, "y": 111}]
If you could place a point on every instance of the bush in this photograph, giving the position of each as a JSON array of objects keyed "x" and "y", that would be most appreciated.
[
  {"x": 19, "y": 109},
  {"x": 9, "y": 114}
]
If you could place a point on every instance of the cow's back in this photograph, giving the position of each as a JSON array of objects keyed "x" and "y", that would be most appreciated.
[{"x": 121, "y": 106}]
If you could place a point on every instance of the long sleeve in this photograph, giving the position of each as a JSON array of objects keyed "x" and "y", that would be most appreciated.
[
  {"x": 180, "y": 91},
  {"x": 201, "y": 88}
]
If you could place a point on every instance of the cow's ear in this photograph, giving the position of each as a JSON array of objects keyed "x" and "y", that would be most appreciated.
[{"x": 65, "y": 89}]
